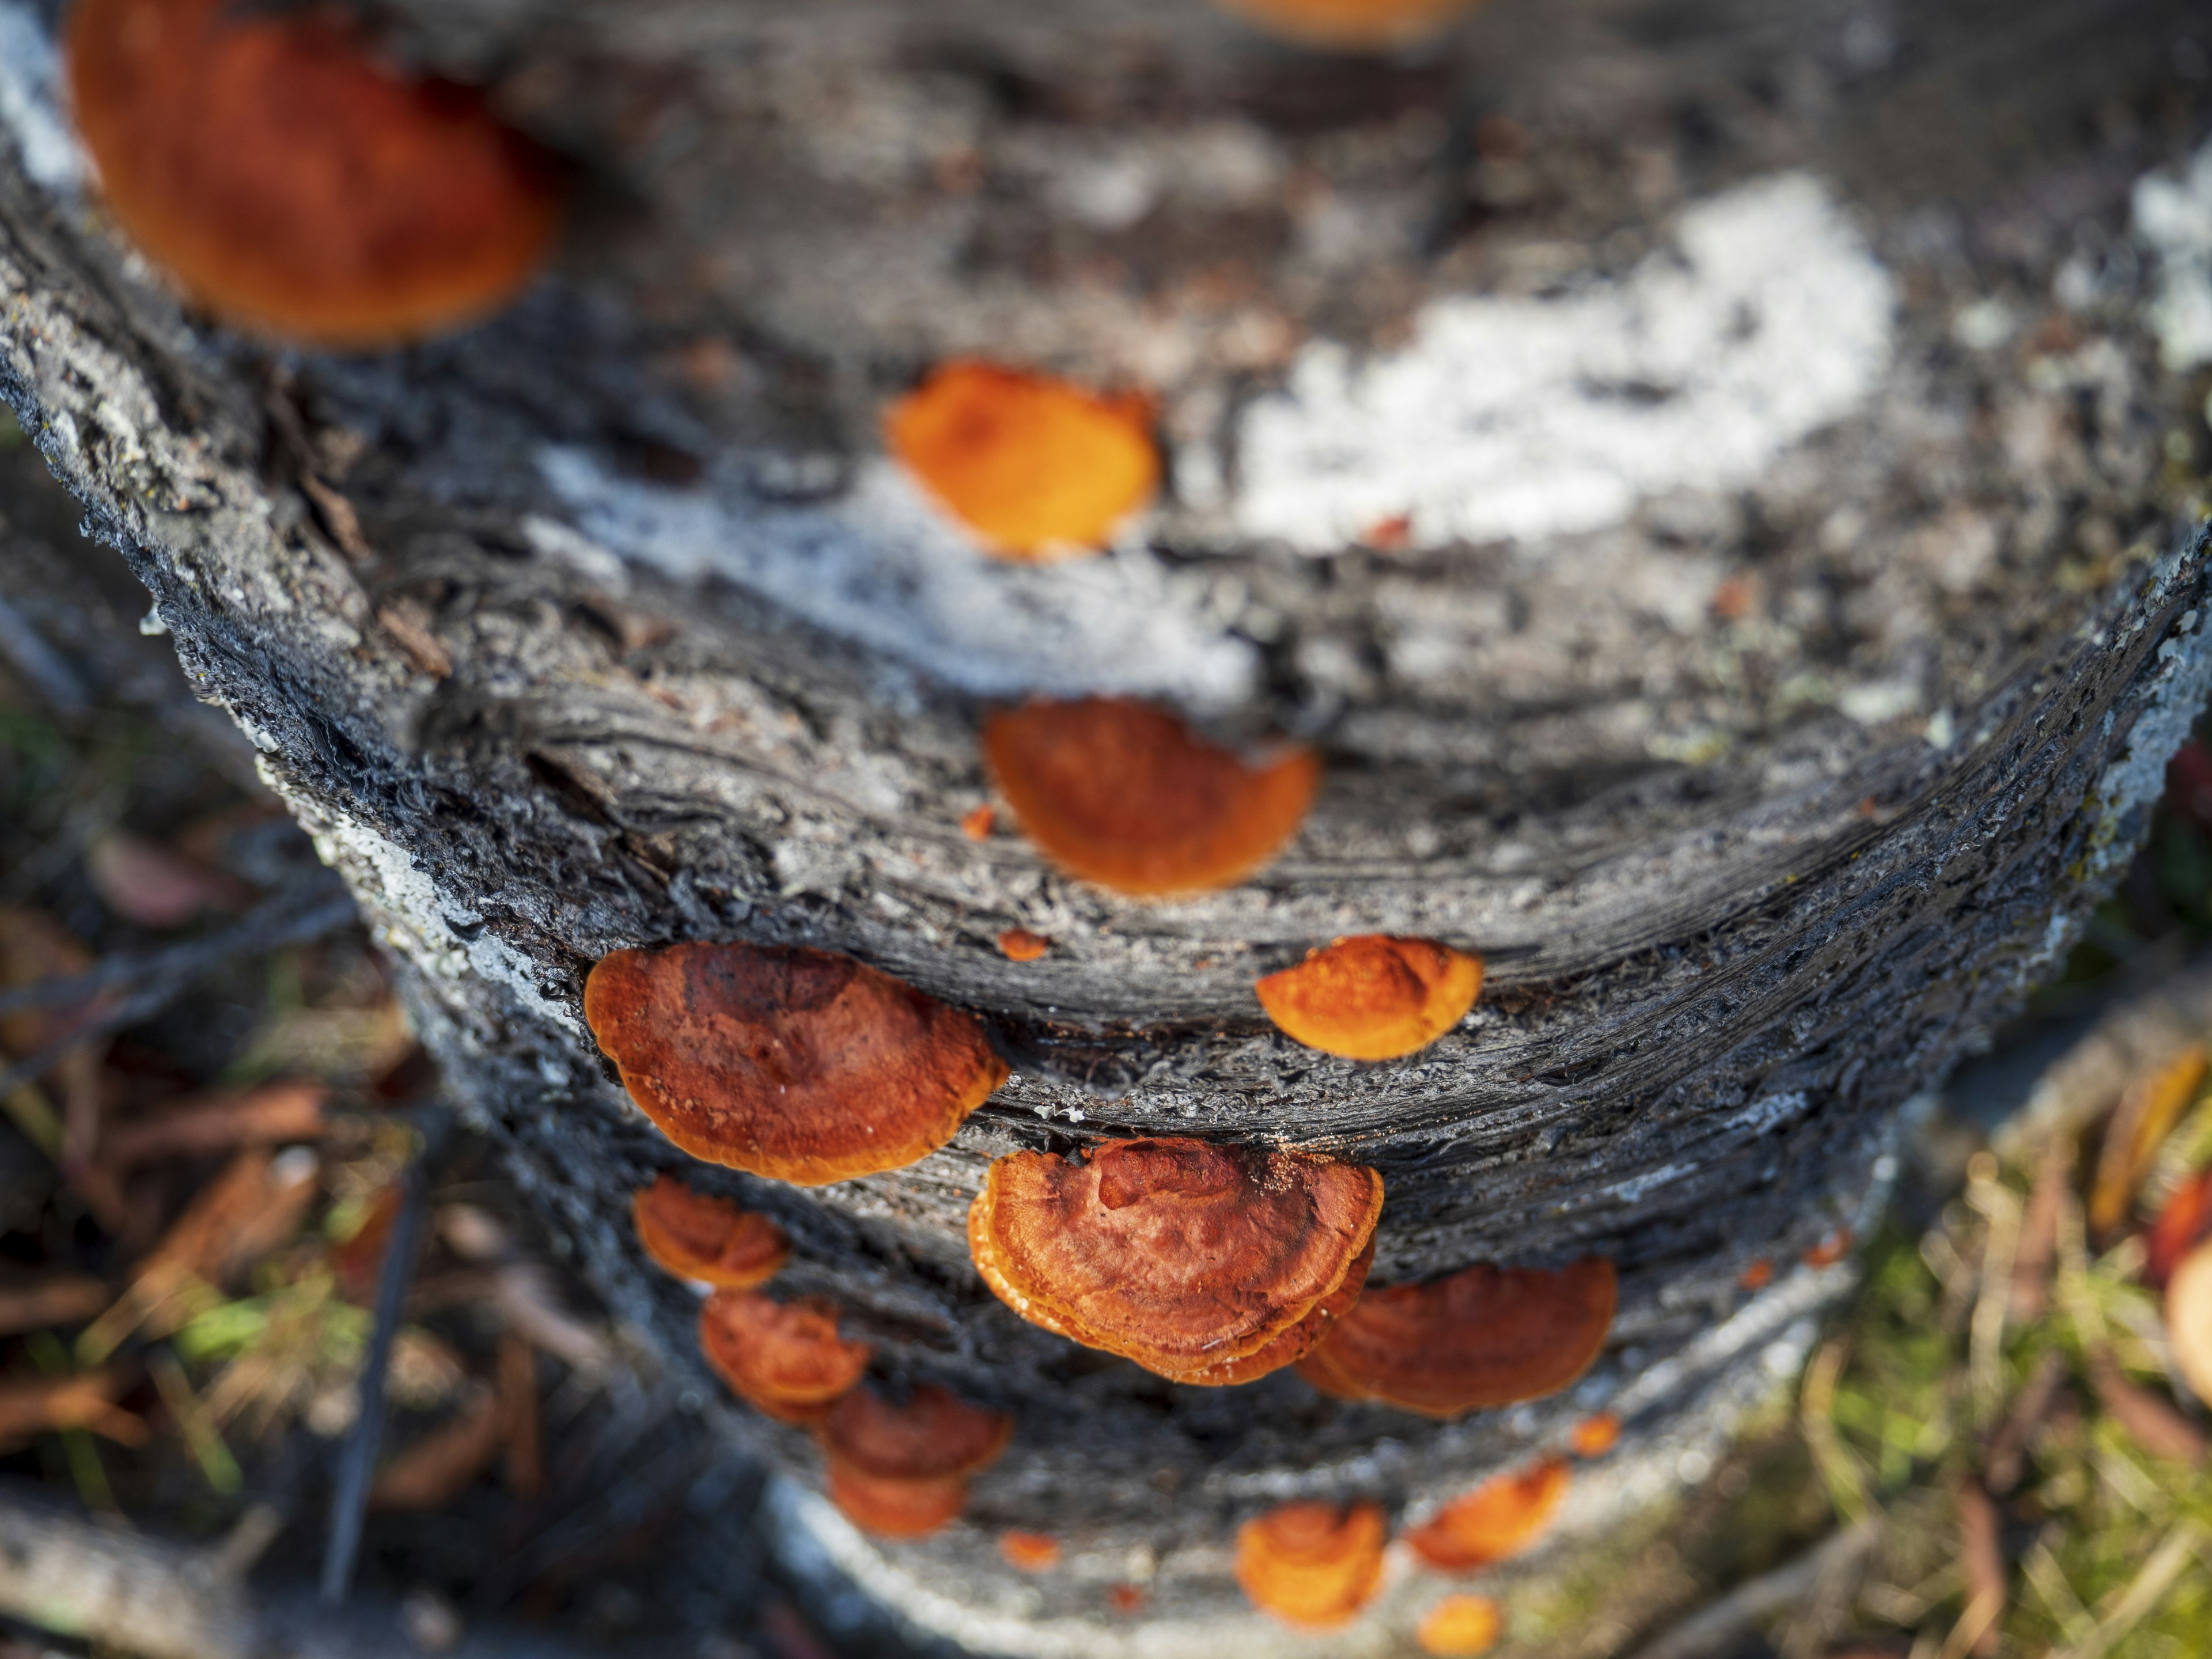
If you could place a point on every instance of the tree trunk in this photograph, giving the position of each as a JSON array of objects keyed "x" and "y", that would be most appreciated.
[{"x": 1711, "y": 481}]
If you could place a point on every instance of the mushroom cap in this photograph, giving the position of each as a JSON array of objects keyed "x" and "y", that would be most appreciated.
[
  {"x": 784, "y": 1357},
  {"x": 709, "y": 1240},
  {"x": 1185, "y": 1256},
  {"x": 801, "y": 1065},
  {"x": 1502, "y": 1517},
  {"x": 1122, "y": 794},
  {"x": 1299, "y": 1340},
  {"x": 294, "y": 185},
  {"x": 1460, "y": 1626},
  {"x": 1312, "y": 1564},
  {"x": 1029, "y": 1552},
  {"x": 1483, "y": 1336},
  {"x": 1595, "y": 1435},
  {"x": 1352, "y": 25},
  {"x": 1037, "y": 467},
  {"x": 890, "y": 1508},
  {"x": 934, "y": 1435},
  {"x": 1372, "y": 997}
]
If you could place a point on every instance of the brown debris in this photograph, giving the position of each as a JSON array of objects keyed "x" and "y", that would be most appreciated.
[
  {"x": 54, "y": 1299},
  {"x": 275, "y": 1113},
  {"x": 2037, "y": 1246},
  {"x": 445, "y": 1462},
  {"x": 1981, "y": 1563},
  {"x": 35, "y": 1406},
  {"x": 2149, "y": 1421}
]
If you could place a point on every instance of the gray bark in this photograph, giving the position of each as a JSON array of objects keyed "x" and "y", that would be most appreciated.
[{"x": 1749, "y": 872}]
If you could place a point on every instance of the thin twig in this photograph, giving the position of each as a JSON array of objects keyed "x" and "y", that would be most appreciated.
[{"x": 1722, "y": 1624}]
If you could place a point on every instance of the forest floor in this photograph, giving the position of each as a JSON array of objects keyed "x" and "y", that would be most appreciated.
[{"x": 1992, "y": 1450}]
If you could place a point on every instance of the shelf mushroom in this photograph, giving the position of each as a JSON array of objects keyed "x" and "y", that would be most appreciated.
[
  {"x": 784, "y": 1358},
  {"x": 901, "y": 1471},
  {"x": 1372, "y": 997},
  {"x": 801, "y": 1065},
  {"x": 707, "y": 1240},
  {"x": 1205, "y": 1263},
  {"x": 1352, "y": 25},
  {"x": 1311, "y": 1565},
  {"x": 1501, "y": 1518}
]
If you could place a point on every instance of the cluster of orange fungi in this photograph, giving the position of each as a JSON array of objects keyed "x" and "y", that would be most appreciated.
[
  {"x": 1204, "y": 1263},
  {"x": 1038, "y": 468},
  {"x": 1485, "y": 1336},
  {"x": 1124, "y": 794},
  {"x": 707, "y": 1240},
  {"x": 1351, "y": 25},
  {"x": 803, "y": 1066},
  {"x": 1373, "y": 997},
  {"x": 901, "y": 1471},
  {"x": 294, "y": 185}
]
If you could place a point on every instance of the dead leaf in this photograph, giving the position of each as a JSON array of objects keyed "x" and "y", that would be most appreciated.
[
  {"x": 2149, "y": 1421},
  {"x": 2038, "y": 1233},
  {"x": 290, "y": 1111},
  {"x": 2148, "y": 1110},
  {"x": 339, "y": 518},
  {"x": 445, "y": 1462},
  {"x": 55, "y": 1299},
  {"x": 408, "y": 621},
  {"x": 1981, "y": 1563},
  {"x": 36, "y": 1405},
  {"x": 151, "y": 885}
]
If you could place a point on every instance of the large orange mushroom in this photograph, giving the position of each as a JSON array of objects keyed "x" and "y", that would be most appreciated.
[
  {"x": 1038, "y": 468},
  {"x": 1501, "y": 1518},
  {"x": 1373, "y": 997},
  {"x": 1483, "y": 1336},
  {"x": 1122, "y": 794},
  {"x": 901, "y": 1471},
  {"x": 1352, "y": 25},
  {"x": 801, "y": 1065},
  {"x": 295, "y": 185},
  {"x": 707, "y": 1240},
  {"x": 1205, "y": 1263},
  {"x": 1312, "y": 1564},
  {"x": 784, "y": 1358}
]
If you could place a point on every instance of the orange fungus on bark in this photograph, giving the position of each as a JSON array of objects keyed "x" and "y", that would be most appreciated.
[
  {"x": 1038, "y": 468},
  {"x": 1459, "y": 1627},
  {"x": 707, "y": 1240},
  {"x": 1204, "y": 1263},
  {"x": 901, "y": 1471},
  {"x": 1312, "y": 1564},
  {"x": 785, "y": 1358},
  {"x": 1122, "y": 794},
  {"x": 295, "y": 185},
  {"x": 1372, "y": 997},
  {"x": 800, "y": 1065},
  {"x": 1352, "y": 25},
  {"x": 1501, "y": 1518},
  {"x": 1485, "y": 1336}
]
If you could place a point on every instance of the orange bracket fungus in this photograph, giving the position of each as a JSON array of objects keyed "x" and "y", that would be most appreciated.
[
  {"x": 1205, "y": 1264},
  {"x": 785, "y": 1358},
  {"x": 1372, "y": 997},
  {"x": 1460, "y": 1626},
  {"x": 1310, "y": 1564},
  {"x": 293, "y": 183},
  {"x": 1123, "y": 794},
  {"x": 1485, "y": 1336},
  {"x": 1595, "y": 1435},
  {"x": 1502, "y": 1517},
  {"x": 707, "y": 1240},
  {"x": 801, "y": 1065},
  {"x": 1029, "y": 1552},
  {"x": 901, "y": 1471},
  {"x": 1038, "y": 468},
  {"x": 1352, "y": 25}
]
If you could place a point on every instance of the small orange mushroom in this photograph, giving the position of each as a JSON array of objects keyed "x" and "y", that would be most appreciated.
[
  {"x": 1019, "y": 945},
  {"x": 1352, "y": 25},
  {"x": 1122, "y": 794},
  {"x": 707, "y": 1240},
  {"x": 1757, "y": 1275},
  {"x": 1594, "y": 1436},
  {"x": 785, "y": 1358},
  {"x": 1029, "y": 1552},
  {"x": 895, "y": 1509},
  {"x": 901, "y": 1471},
  {"x": 1830, "y": 1250},
  {"x": 1502, "y": 1517},
  {"x": 1038, "y": 468},
  {"x": 1313, "y": 1564},
  {"x": 1485, "y": 1336},
  {"x": 292, "y": 183},
  {"x": 801, "y": 1065},
  {"x": 1184, "y": 1256},
  {"x": 1373, "y": 997},
  {"x": 1459, "y": 1627}
]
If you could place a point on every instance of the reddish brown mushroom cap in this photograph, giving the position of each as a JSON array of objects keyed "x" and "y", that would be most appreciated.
[
  {"x": 801, "y": 1065},
  {"x": 1123, "y": 794},
  {"x": 1037, "y": 467},
  {"x": 1486, "y": 1336},
  {"x": 1352, "y": 25},
  {"x": 291, "y": 183},
  {"x": 707, "y": 1240},
  {"x": 1292, "y": 1344},
  {"x": 1182, "y": 1256},
  {"x": 1313, "y": 1564},
  {"x": 933, "y": 1435},
  {"x": 895, "y": 1509},
  {"x": 1502, "y": 1517},
  {"x": 1373, "y": 997},
  {"x": 784, "y": 1357}
]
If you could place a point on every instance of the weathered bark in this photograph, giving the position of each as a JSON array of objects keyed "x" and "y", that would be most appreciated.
[{"x": 1767, "y": 773}]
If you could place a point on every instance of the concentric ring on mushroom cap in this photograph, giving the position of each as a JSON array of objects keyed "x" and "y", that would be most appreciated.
[
  {"x": 1372, "y": 997},
  {"x": 1501, "y": 1518},
  {"x": 709, "y": 1240},
  {"x": 1485, "y": 1336},
  {"x": 934, "y": 1434},
  {"x": 1299, "y": 1338},
  {"x": 1182, "y": 1256},
  {"x": 800, "y": 1065},
  {"x": 784, "y": 1357},
  {"x": 1122, "y": 794},
  {"x": 1312, "y": 1564},
  {"x": 293, "y": 183}
]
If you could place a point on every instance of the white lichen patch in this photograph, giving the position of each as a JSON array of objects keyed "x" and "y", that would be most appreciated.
[
  {"x": 880, "y": 566},
  {"x": 31, "y": 101},
  {"x": 2173, "y": 217},
  {"x": 1522, "y": 418}
]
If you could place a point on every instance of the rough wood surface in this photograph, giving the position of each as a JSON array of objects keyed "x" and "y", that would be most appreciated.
[{"x": 1768, "y": 756}]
